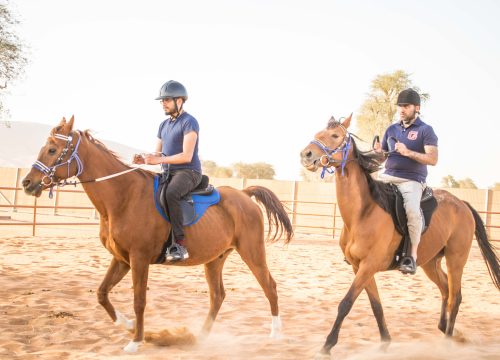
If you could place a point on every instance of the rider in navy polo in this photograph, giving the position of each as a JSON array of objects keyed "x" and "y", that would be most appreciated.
[
  {"x": 177, "y": 152},
  {"x": 415, "y": 145}
]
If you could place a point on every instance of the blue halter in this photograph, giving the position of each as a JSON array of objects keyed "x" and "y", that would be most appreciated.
[
  {"x": 344, "y": 148},
  {"x": 50, "y": 171}
]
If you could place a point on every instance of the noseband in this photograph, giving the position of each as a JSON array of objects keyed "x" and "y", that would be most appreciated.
[
  {"x": 50, "y": 179},
  {"x": 328, "y": 166}
]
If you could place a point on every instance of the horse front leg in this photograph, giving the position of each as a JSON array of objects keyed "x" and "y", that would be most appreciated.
[
  {"x": 116, "y": 271},
  {"x": 140, "y": 269},
  {"x": 378, "y": 311},
  {"x": 363, "y": 275}
]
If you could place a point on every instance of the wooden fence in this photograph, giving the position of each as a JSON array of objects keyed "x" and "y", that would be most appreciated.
[{"x": 312, "y": 206}]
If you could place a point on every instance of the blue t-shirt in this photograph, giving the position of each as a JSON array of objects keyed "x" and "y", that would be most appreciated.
[
  {"x": 415, "y": 137},
  {"x": 171, "y": 133}
]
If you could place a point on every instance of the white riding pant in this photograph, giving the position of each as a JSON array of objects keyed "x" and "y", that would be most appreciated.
[{"x": 412, "y": 194}]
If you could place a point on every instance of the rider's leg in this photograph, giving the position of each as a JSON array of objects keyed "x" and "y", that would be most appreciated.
[
  {"x": 412, "y": 194},
  {"x": 182, "y": 182}
]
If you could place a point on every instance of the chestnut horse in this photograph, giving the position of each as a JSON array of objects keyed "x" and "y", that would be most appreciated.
[
  {"x": 133, "y": 231},
  {"x": 369, "y": 238}
]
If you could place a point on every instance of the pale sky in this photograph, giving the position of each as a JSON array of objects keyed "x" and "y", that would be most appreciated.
[{"x": 263, "y": 76}]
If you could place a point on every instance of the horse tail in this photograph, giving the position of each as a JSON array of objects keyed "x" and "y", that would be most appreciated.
[
  {"x": 487, "y": 248},
  {"x": 276, "y": 213}
]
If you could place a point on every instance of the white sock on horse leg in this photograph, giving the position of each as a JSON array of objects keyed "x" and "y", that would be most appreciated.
[
  {"x": 132, "y": 346},
  {"x": 122, "y": 320},
  {"x": 276, "y": 327}
]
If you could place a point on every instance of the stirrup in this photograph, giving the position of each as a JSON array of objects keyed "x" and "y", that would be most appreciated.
[
  {"x": 408, "y": 265},
  {"x": 176, "y": 252}
]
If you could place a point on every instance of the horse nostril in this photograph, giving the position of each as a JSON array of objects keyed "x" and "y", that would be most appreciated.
[
  {"x": 308, "y": 154},
  {"x": 26, "y": 183}
]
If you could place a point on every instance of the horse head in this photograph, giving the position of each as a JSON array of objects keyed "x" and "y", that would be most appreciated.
[
  {"x": 330, "y": 147},
  {"x": 59, "y": 150}
]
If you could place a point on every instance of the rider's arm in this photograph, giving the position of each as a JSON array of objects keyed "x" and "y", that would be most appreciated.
[
  {"x": 159, "y": 146},
  {"x": 430, "y": 157},
  {"x": 186, "y": 155}
]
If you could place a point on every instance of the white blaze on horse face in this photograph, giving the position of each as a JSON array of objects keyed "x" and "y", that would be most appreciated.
[{"x": 276, "y": 328}]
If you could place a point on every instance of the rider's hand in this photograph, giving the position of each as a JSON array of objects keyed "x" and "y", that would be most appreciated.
[
  {"x": 401, "y": 148},
  {"x": 151, "y": 159},
  {"x": 377, "y": 147},
  {"x": 138, "y": 159}
]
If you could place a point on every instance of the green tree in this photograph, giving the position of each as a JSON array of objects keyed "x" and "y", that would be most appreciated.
[
  {"x": 258, "y": 170},
  {"x": 210, "y": 168},
  {"x": 12, "y": 59},
  {"x": 223, "y": 172},
  {"x": 379, "y": 109},
  {"x": 449, "y": 182},
  {"x": 467, "y": 183},
  {"x": 309, "y": 176}
]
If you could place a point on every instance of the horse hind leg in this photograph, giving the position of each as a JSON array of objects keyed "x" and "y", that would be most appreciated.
[
  {"x": 254, "y": 255},
  {"x": 213, "y": 275},
  {"x": 116, "y": 271},
  {"x": 436, "y": 274},
  {"x": 455, "y": 264}
]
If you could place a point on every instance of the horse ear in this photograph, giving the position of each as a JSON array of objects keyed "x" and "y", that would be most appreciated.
[
  {"x": 347, "y": 121},
  {"x": 63, "y": 121},
  {"x": 71, "y": 121}
]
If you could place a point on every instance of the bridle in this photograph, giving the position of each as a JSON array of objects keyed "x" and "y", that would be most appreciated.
[
  {"x": 50, "y": 179},
  {"x": 329, "y": 164}
]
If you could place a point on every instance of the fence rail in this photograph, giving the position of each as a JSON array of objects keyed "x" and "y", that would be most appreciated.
[{"x": 336, "y": 219}]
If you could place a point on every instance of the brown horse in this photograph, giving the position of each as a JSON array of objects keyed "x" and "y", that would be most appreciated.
[
  {"x": 369, "y": 238},
  {"x": 133, "y": 231}
]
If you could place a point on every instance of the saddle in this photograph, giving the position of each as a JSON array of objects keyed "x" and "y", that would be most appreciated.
[
  {"x": 427, "y": 206},
  {"x": 193, "y": 205}
]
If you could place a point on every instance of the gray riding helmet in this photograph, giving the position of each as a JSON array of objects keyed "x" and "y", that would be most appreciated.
[{"x": 172, "y": 89}]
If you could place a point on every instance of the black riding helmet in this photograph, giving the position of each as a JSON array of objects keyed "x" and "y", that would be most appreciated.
[
  {"x": 172, "y": 89},
  {"x": 408, "y": 96}
]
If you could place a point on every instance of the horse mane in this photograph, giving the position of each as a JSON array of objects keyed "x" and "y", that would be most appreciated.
[
  {"x": 88, "y": 135},
  {"x": 370, "y": 162}
]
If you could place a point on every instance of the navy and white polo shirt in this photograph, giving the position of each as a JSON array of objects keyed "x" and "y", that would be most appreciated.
[
  {"x": 415, "y": 137},
  {"x": 171, "y": 133}
]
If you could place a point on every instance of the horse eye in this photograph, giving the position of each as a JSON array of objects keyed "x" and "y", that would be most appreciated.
[
  {"x": 52, "y": 151},
  {"x": 335, "y": 136}
]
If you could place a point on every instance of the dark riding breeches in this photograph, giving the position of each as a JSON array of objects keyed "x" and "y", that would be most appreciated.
[{"x": 181, "y": 183}]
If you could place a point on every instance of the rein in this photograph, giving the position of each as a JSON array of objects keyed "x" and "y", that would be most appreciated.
[
  {"x": 50, "y": 171},
  {"x": 328, "y": 166}
]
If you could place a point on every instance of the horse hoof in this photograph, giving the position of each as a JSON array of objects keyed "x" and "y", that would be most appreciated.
[
  {"x": 132, "y": 346},
  {"x": 321, "y": 356},
  {"x": 276, "y": 327},
  {"x": 275, "y": 335}
]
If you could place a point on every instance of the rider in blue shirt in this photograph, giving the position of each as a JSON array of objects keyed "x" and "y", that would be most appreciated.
[
  {"x": 415, "y": 146},
  {"x": 177, "y": 152}
]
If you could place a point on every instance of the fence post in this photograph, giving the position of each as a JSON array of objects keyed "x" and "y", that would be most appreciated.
[
  {"x": 34, "y": 217},
  {"x": 334, "y": 218},
  {"x": 16, "y": 185},
  {"x": 56, "y": 201},
  {"x": 295, "y": 188},
  {"x": 489, "y": 208}
]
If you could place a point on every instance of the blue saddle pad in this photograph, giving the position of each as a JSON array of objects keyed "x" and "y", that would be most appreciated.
[{"x": 193, "y": 205}]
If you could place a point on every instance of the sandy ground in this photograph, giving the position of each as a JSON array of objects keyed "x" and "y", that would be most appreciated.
[{"x": 49, "y": 310}]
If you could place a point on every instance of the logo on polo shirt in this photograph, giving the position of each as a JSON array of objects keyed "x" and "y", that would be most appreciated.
[{"x": 412, "y": 135}]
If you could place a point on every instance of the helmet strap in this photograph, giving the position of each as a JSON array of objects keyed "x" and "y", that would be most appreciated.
[{"x": 177, "y": 110}]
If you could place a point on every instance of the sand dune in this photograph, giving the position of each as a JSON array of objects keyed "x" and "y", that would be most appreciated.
[{"x": 49, "y": 309}]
